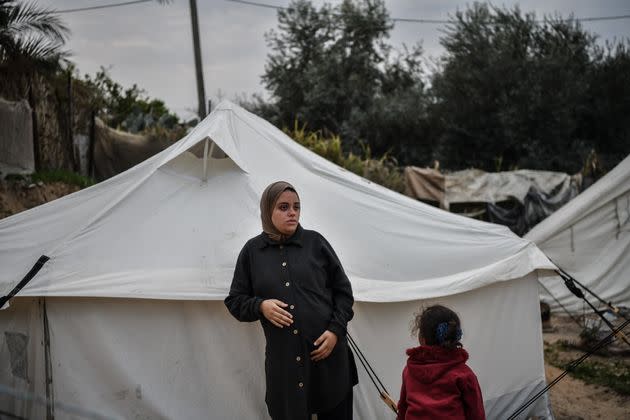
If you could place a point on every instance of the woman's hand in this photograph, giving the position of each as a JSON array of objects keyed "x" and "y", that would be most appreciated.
[
  {"x": 325, "y": 345},
  {"x": 272, "y": 310}
]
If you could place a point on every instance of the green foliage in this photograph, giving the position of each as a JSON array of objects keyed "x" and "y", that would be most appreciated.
[
  {"x": 60, "y": 175},
  {"x": 509, "y": 92},
  {"x": 383, "y": 171},
  {"x": 31, "y": 37},
  {"x": 613, "y": 373},
  {"x": 514, "y": 92},
  {"x": 332, "y": 67},
  {"x": 127, "y": 108}
]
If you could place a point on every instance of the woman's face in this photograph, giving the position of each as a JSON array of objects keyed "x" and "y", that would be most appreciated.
[{"x": 286, "y": 213}]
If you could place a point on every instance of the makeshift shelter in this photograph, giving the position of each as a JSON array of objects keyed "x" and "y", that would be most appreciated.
[
  {"x": 126, "y": 318},
  {"x": 116, "y": 151},
  {"x": 517, "y": 199},
  {"x": 590, "y": 239}
]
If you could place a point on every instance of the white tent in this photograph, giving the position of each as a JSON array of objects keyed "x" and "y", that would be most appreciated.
[
  {"x": 589, "y": 238},
  {"x": 130, "y": 302}
]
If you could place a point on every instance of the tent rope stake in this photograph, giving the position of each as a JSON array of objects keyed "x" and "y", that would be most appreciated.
[
  {"x": 29, "y": 276},
  {"x": 382, "y": 391},
  {"x": 566, "y": 275},
  {"x": 570, "y": 283}
]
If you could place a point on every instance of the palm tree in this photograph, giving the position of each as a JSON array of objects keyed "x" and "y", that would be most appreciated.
[{"x": 30, "y": 36}]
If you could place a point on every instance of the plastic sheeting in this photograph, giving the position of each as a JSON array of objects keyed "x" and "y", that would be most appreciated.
[
  {"x": 536, "y": 206},
  {"x": 116, "y": 151},
  {"x": 590, "y": 239},
  {"x": 425, "y": 184},
  {"x": 16, "y": 138},
  {"x": 171, "y": 227},
  {"x": 473, "y": 185},
  {"x": 477, "y": 186},
  {"x": 518, "y": 199}
]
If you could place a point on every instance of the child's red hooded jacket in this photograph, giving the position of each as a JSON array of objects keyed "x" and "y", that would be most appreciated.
[{"x": 437, "y": 384}]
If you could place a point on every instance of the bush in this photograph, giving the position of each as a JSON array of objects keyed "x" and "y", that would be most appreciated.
[
  {"x": 383, "y": 171},
  {"x": 60, "y": 175}
]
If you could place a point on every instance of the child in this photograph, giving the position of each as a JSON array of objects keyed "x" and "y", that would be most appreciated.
[{"x": 437, "y": 383}]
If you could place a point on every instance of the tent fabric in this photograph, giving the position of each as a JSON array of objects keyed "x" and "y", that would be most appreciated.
[
  {"x": 116, "y": 239},
  {"x": 16, "y": 138},
  {"x": 146, "y": 358},
  {"x": 142, "y": 261},
  {"x": 473, "y": 185},
  {"x": 477, "y": 186},
  {"x": 425, "y": 184},
  {"x": 590, "y": 239}
]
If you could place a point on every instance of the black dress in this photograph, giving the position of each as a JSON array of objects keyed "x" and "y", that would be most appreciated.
[{"x": 305, "y": 273}]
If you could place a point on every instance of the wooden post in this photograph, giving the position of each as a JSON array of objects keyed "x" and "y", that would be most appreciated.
[
  {"x": 92, "y": 140},
  {"x": 201, "y": 91},
  {"x": 32, "y": 104},
  {"x": 70, "y": 130}
]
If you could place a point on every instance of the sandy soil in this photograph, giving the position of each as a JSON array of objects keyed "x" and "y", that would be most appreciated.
[{"x": 573, "y": 399}]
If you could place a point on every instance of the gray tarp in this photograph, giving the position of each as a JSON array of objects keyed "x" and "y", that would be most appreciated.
[
  {"x": 526, "y": 196},
  {"x": 116, "y": 151},
  {"x": 16, "y": 138}
]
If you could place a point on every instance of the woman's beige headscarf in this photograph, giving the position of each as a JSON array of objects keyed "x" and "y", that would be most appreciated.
[{"x": 267, "y": 203}]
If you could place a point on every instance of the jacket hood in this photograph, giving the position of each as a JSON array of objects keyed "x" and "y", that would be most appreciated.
[{"x": 429, "y": 363}]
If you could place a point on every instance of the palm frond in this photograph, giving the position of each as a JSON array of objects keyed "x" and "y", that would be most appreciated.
[
  {"x": 24, "y": 18},
  {"x": 30, "y": 36}
]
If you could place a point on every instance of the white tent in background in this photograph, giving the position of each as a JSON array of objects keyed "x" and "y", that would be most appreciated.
[
  {"x": 589, "y": 238},
  {"x": 126, "y": 318}
]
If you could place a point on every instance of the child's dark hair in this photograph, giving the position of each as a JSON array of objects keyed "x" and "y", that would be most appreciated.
[{"x": 438, "y": 326}]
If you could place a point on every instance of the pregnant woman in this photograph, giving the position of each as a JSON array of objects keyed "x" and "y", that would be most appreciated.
[{"x": 291, "y": 280}]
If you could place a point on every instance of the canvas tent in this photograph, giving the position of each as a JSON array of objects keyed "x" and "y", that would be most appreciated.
[
  {"x": 590, "y": 239},
  {"x": 130, "y": 302}
]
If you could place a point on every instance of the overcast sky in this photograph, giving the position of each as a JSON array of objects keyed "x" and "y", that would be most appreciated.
[{"x": 151, "y": 45}]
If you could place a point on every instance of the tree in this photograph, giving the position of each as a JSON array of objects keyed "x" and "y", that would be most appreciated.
[
  {"x": 30, "y": 37},
  {"x": 606, "y": 120},
  {"x": 331, "y": 68},
  {"x": 512, "y": 91},
  {"x": 128, "y": 108}
]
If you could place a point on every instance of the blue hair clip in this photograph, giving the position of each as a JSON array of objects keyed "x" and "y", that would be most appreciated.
[{"x": 442, "y": 331}]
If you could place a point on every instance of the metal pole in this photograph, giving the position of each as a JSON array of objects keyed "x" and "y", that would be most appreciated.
[{"x": 201, "y": 93}]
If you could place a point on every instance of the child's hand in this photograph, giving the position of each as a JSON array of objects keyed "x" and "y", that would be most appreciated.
[{"x": 326, "y": 342}]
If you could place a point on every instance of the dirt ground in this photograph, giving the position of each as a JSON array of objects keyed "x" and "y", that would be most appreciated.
[
  {"x": 17, "y": 196},
  {"x": 573, "y": 399}
]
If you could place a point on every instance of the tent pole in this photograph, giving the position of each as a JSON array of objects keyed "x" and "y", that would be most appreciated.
[
  {"x": 50, "y": 401},
  {"x": 206, "y": 154},
  {"x": 205, "y": 160}
]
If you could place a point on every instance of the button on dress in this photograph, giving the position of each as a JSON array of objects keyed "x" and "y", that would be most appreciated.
[{"x": 305, "y": 273}]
